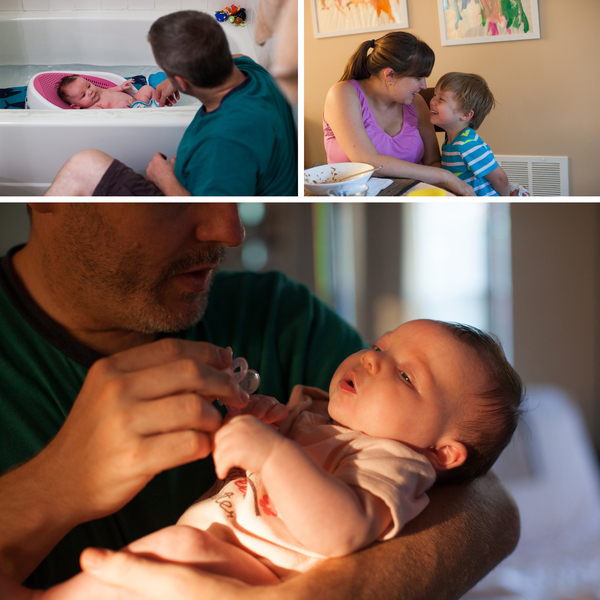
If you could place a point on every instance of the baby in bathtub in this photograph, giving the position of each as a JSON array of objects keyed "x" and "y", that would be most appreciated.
[{"x": 81, "y": 93}]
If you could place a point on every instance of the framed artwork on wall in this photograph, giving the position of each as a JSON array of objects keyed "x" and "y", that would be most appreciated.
[
  {"x": 348, "y": 17},
  {"x": 481, "y": 21}
]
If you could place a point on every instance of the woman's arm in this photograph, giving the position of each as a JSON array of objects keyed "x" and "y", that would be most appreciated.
[{"x": 343, "y": 114}]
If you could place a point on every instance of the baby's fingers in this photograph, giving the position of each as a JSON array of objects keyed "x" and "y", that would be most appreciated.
[
  {"x": 266, "y": 408},
  {"x": 276, "y": 414}
]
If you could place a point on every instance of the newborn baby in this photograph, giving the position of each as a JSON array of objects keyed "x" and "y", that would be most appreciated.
[{"x": 81, "y": 93}]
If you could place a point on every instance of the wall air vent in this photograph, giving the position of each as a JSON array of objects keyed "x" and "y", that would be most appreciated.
[{"x": 541, "y": 175}]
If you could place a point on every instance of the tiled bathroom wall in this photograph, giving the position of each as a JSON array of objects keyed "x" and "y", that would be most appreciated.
[{"x": 263, "y": 53}]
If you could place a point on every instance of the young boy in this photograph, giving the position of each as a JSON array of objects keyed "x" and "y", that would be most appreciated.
[
  {"x": 460, "y": 104},
  {"x": 429, "y": 400},
  {"x": 81, "y": 93}
]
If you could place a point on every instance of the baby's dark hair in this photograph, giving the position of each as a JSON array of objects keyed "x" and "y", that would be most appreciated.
[
  {"x": 471, "y": 93},
  {"x": 62, "y": 85},
  {"x": 501, "y": 405}
]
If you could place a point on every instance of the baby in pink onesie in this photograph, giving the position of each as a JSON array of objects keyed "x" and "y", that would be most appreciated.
[{"x": 431, "y": 400}]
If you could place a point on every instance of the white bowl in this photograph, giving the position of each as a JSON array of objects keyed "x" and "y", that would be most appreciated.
[{"x": 320, "y": 180}]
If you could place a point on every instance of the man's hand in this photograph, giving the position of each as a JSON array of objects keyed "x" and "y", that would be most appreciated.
[
  {"x": 161, "y": 172},
  {"x": 166, "y": 93},
  {"x": 139, "y": 412},
  {"x": 245, "y": 442}
]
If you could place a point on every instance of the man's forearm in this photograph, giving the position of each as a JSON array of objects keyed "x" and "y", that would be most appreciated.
[
  {"x": 170, "y": 186},
  {"x": 462, "y": 535}
]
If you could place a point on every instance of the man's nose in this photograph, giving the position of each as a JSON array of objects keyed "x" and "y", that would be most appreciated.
[{"x": 219, "y": 223}]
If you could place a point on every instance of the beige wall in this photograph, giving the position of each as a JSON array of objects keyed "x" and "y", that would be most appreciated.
[
  {"x": 556, "y": 299},
  {"x": 547, "y": 89}
]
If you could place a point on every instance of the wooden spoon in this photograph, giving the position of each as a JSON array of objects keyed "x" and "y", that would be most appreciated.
[{"x": 360, "y": 173}]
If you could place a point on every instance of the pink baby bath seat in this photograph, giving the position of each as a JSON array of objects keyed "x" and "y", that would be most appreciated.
[{"x": 42, "y": 88}]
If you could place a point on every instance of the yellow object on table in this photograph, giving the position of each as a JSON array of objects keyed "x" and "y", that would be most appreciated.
[{"x": 427, "y": 192}]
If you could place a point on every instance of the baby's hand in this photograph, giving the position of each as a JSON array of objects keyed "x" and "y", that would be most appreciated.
[
  {"x": 125, "y": 85},
  {"x": 245, "y": 442},
  {"x": 265, "y": 408}
]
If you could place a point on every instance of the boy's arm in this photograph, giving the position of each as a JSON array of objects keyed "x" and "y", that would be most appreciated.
[
  {"x": 499, "y": 181},
  {"x": 324, "y": 514}
]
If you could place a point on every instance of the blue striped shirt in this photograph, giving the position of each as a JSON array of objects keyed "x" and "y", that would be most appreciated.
[{"x": 470, "y": 158}]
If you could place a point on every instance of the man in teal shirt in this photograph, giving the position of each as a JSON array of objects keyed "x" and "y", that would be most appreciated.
[
  {"x": 111, "y": 353},
  {"x": 242, "y": 141}
]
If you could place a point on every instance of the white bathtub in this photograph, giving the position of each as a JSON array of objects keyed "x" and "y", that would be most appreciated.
[{"x": 34, "y": 144}]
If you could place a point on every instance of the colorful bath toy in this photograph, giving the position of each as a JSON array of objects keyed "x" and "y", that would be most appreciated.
[
  {"x": 156, "y": 78},
  {"x": 234, "y": 14}
]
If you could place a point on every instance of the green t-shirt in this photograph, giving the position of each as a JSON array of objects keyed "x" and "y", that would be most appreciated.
[
  {"x": 248, "y": 146},
  {"x": 285, "y": 333}
]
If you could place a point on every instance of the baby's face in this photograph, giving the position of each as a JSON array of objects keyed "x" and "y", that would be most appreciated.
[
  {"x": 414, "y": 386},
  {"x": 82, "y": 93}
]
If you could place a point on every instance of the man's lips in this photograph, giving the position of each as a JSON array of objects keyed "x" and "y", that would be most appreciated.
[{"x": 196, "y": 280}]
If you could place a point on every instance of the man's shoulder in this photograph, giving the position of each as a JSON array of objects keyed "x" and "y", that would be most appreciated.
[{"x": 245, "y": 63}]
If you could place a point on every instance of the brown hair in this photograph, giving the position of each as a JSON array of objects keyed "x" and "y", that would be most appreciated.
[
  {"x": 471, "y": 92},
  {"x": 64, "y": 83},
  {"x": 193, "y": 45},
  {"x": 501, "y": 405},
  {"x": 403, "y": 52}
]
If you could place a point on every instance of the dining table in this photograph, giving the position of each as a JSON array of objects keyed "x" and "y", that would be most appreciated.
[{"x": 398, "y": 186}]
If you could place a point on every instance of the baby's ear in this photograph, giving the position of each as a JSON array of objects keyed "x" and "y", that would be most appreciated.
[
  {"x": 74, "y": 106},
  {"x": 448, "y": 454}
]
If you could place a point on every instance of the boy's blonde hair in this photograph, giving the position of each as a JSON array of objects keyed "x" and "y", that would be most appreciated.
[{"x": 471, "y": 92}]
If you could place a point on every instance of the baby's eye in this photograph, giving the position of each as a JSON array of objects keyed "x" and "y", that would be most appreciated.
[
  {"x": 376, "y": 348},
  {"x": 405, "y": 377}
]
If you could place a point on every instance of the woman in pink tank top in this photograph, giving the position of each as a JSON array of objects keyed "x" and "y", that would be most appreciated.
[{"x": 375, "y": 114}]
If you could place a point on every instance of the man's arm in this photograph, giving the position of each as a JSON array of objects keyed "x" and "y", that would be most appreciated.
[
  {"x": 463, "y": 534},
  {"x": 161, "y": 172}
]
